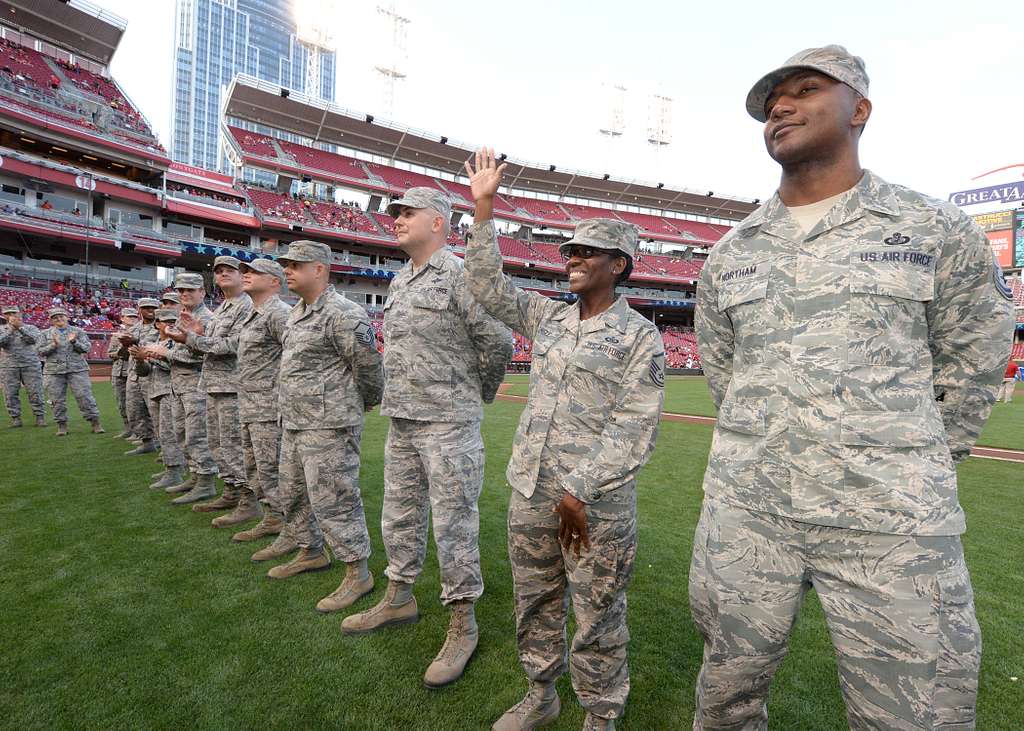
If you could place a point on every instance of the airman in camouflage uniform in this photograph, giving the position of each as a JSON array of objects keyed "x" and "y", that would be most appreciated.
[
  {"x": 189, "y": 404},
  {"x": 330, "y": 373},
  {"x": 853, "y": 361},
  {"x": 19, "y": 365},
  {"x": 119, "y": 366},
  {"x": 140, "y": 413},
  {"x": 63, "y": 348},
  {"x": 443, "y": 357},
  {"x": 258, "y": 344},
  {"x": 589, "y": 426},
  {"x": 218, "y": 343},
  {"x": 162, "y": 404}
]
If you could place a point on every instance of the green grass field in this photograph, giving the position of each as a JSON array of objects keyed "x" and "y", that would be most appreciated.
[{"x": 122, "y": 611}]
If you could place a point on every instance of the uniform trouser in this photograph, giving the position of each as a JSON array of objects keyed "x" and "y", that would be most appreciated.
[
  {"x": 545, "y": 577},
  {"x": 223, "y": 434},
  {"x": 1005, "y": 392},
  {"x": 899, "y": 609},
  {"x": 139, "y": 419},
  {"x": 31, "y": 377},
  {"x": 170, "y": 450},
  {"x": 434, "y": 467},
  {"x": 119, "y": 384},
  {"x": 57, "y": 393},
  {"x": 319, "y": 488},
  {"x": 189, "y": 409},
  {"x": 261, "y": 448}
]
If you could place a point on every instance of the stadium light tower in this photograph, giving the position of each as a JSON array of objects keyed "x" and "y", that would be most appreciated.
[
  {"x": 659, "y": 125},
  {"x": 312, "y": 18},
  {"x": 613, "y": 126},
  {"x": 392, "y": 70}
]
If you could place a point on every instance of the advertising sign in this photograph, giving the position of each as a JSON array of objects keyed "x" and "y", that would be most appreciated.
[
  {"x": 998, "y": 221},
  {"x": 1002, "y": 245}
]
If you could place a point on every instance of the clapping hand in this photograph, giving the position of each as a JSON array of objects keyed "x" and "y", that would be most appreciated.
[{"x": 187, "y": 323}]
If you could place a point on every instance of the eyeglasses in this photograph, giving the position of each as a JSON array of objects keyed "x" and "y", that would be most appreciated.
[{"x": 583, "y": 252}]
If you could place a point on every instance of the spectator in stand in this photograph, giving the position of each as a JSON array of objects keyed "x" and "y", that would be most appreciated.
[{"x": 1013, "y": 372}]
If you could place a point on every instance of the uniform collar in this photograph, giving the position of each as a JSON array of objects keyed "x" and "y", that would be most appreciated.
[
  {"x": 616, "y": 316},
  {"x": 268, "y": 304},
  {"x": 320, "y": 301},
  {"x": 437, "y": 260},
  {"x": 870, "y": 194}
]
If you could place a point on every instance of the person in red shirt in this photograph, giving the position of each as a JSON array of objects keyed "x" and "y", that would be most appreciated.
[{"x": 1005, "y": 393}]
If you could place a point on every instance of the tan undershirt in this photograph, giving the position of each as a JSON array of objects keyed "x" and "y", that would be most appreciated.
[{"x": 807, "y": 217}]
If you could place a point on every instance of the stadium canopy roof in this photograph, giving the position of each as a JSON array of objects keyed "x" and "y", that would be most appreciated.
[
  {"x": 77, "y": 26},
  {"x": 260, "y": 102}
]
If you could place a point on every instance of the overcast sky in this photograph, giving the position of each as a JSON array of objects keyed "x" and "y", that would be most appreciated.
[{"x": 528, "y": 77}]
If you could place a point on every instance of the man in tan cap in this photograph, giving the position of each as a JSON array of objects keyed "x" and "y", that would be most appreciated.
[
  {"x": 189, "y": 404},
  {"x": 259, "y": 360},
  {"x": 853, "y": 333},
  {"x": 444, "y": 357},
  {"x": 119, "y": 366},
  {"x": 217, "y": 340},
  {"x": 330, "y": 374},
  {"x": 162, "y": 405},
  {"x": 19, "y": 365},
  {"x": 589, "y": 426},
  {"x": 63, "y": 348},
  {"x": 140, "y": 416}
]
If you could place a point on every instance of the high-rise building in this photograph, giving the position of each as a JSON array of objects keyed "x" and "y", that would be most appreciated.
[{"x": 215, "y": 39}]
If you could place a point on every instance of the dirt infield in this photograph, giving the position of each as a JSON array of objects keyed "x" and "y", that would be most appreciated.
[{"x": 1005, "y": 455}]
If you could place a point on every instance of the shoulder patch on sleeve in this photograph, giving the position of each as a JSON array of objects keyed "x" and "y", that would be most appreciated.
[
  {"x": 657, "y": 370},
  {"x": 1000, "y": 281},
  {"x": 365, "y": 335}
]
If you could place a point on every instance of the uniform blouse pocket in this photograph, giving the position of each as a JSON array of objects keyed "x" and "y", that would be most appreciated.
[
  {"x": 743, "y": 295},
  {"x": 889, "y": 291}
]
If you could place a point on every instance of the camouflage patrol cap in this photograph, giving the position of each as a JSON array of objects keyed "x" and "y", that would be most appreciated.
[
  {"x": 171, "y": 297},
  {"x": 264, "y": 266},
  {"x": 604, "y": 233},
  {"x": 833, "y": 61},
  {"x": 148, "y": 302},
  {"x": 307, "y": 251},
  {"x": 422, "y": 197},
  {"x": 55, "y": 311},
  {"x": 10, "y": 310},
  {"x": 166, "y": 315},
  {"x": 129, "y": 312},
  {"x": 228, "y": 261},
  {"x": 189, "y": 280}
]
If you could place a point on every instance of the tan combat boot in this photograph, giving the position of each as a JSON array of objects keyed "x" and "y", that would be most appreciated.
[
  {"x": 358, "y": 583},
  {"x": 204, "y": 488},
  {"x": 397, "y": 607},
  {"x": 307, "y": 560},
  {"x": 247, "y": 509},
  {"x": 146, "y": 447},
  {"x": 15, "y": 422},
  {"x": 539, "y": 708},
  {"x": 271, "y": 525},
  {"x": 184, "y": 485},
  {"x": 62, "y": 428},
  {"x": 281, "y": 547},
  {"x": 168, "y": 478},
  {"x": 97, "y": 428},
  {"x": 596, "y": 723},
  {"x": 40, "y": 421},
  {"x": 228, "y": 500},
  {"x": 459, "y": 646}
]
